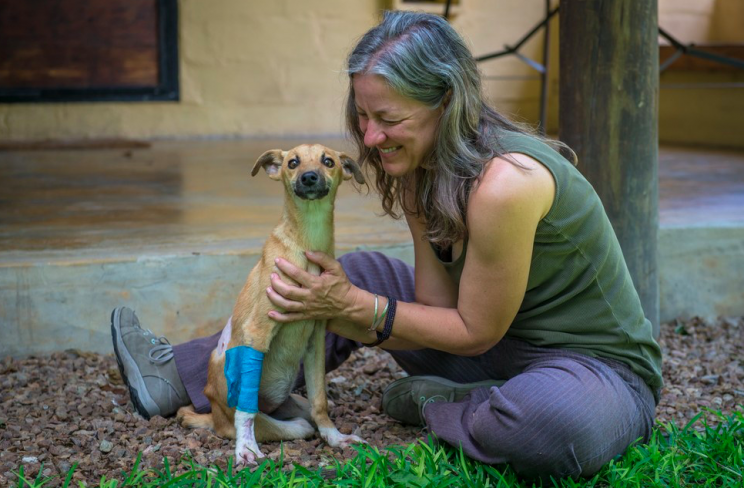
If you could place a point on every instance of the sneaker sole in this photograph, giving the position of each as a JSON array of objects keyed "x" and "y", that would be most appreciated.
[{"x": 138, "y": 391}]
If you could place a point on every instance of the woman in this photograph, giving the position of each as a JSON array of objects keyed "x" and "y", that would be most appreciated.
[{"x": 519, "y": 324}]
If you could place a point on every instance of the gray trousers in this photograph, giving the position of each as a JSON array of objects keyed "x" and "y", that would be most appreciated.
[{"x": 560, "y": 413}]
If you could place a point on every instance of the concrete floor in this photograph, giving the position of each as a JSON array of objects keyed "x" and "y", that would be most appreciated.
[
  {"x": 173, "y": 229},
  {"x": 174, "y": 197},
  {"x": 700, "y": 187}
]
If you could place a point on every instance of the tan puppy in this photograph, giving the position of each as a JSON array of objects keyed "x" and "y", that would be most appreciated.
[{"x": 311, "y": 175}]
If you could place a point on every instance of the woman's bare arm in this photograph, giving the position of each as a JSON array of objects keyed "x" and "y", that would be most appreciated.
[{"x": 504, "y": 211}]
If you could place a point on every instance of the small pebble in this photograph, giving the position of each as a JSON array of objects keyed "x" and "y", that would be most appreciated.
[
  {"x": 711, "y": 379},
  {"x": 61, "y": 414},
  {"x": 105, "y": 446}
]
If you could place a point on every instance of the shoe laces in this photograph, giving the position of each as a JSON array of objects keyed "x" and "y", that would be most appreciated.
[
  {"x": 423, "y": 402},
  {"x": 162, "y": 352}
]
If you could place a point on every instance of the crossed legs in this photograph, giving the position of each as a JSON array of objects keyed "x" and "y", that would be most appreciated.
[{"x": 560, "y": 413}]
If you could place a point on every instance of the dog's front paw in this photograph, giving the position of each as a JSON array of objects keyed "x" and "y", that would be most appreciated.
[
  {"x": 245, "y": 456},
  {"x": 336, "y": 439},
  {"x": 246, "y": 449}
]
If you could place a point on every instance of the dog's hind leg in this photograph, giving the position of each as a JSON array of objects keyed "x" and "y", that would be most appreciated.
[
  {"x": 294, "y": 406},
  {"x": 187, "y": 417},
  {"x": 217, "y": 421},
  {"x": 269, "y": 429}
]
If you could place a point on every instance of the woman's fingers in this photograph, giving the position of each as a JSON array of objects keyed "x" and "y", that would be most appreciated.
[
  {"x": 283, "y": 302},
  {"x": 322, "y": 259},
  {"x": 299, "y": 275},
  {"x": 286, "y": 317},
  {"x": 288, "y": 298},
  {"x": 287, "y": 290}
]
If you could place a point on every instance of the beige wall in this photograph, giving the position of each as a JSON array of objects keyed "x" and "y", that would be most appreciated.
[
  {"x": 702, "y": 21},
  {"x": 269, "y": 68},
  {"x": 274, "y": 68},
  {"x": 696, "y": 108},
  {"x": 247, "y": 68}
]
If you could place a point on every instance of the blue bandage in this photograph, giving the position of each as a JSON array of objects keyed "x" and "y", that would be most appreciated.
[{"x": 243, "y": 373}]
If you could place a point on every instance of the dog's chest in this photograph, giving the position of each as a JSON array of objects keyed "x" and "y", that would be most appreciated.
[{"x": 290, "y": 343}]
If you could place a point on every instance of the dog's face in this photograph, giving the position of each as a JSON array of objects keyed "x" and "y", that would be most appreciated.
[{"x": 310, "y": 172}]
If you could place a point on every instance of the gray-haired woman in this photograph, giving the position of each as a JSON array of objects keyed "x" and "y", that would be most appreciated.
[{"x": 519, "y": 325}]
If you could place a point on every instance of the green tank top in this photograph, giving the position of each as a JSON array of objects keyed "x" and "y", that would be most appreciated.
[{"x": 579, "y": 295}]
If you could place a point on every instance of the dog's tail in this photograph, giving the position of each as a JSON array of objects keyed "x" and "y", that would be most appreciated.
[{"x": 188, "y": 418}]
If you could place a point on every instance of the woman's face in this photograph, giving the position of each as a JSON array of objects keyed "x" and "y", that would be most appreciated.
[{"x": 402, "y": 130}]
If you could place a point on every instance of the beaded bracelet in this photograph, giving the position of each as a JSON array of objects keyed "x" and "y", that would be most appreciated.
[{"x": 388, "y": 329}]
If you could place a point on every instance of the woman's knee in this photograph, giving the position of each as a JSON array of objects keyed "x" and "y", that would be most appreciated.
[
  {"x": 535, "y": 448},
  {"x": 543, "y": 439}
]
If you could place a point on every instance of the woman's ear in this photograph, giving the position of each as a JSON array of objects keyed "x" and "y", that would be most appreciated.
[{"x": 446, "y": 99}]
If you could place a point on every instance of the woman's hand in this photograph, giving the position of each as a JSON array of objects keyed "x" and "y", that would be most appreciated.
[{"x": 325, "y": 296}]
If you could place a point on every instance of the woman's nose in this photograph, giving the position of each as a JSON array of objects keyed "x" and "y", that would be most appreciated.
[{"x": 373, "y": 135}]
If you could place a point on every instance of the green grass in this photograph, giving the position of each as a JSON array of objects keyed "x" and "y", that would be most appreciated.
[{"x": 674, "y": 457}]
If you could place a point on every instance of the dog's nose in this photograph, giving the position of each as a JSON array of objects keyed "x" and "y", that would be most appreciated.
[{"x": 309, "y": 179}]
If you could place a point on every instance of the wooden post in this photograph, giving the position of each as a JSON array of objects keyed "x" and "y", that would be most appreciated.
[{"x": 609, "y": 72}]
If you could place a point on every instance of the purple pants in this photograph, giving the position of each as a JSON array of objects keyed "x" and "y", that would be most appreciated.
[{"x": 560, "y": 413}]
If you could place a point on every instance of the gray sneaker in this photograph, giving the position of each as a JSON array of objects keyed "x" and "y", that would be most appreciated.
[
  {"x": 147, "y": 366},
  {"x": 405, "y": 399}
]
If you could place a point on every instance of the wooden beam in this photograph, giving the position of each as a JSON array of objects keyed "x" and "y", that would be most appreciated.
[
  {"x": 693, "y": 63},
  {"x": 609, "y": 74}
]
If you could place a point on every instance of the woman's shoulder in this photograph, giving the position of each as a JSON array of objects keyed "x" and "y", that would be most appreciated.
[{"x": 514, "y": 179}]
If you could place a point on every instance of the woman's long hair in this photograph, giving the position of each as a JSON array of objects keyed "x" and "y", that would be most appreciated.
[{"x": 423, "y": 58}]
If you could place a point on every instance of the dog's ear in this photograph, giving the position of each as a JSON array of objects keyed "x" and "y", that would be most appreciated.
[
  {"x": 271, "y": 162},
  {"x": 351, "y": 168}
]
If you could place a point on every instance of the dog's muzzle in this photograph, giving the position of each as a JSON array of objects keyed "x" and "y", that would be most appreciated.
[{"x": 311, "y": 186}]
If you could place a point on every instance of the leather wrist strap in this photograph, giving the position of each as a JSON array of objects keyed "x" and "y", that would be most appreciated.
[{"x": 388, "y": 329}]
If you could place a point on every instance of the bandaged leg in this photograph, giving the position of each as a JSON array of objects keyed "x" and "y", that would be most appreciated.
[{"x": 243, "y": 366}]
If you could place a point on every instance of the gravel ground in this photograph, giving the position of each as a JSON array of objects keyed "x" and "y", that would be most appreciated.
[{"x": 71, "y": 407}]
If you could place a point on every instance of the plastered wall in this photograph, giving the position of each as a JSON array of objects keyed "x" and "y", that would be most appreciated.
[
  {"x": 254, "y": 69},
  {"x": 246, "y": 69},
  {"x": 251, "y": 69},
  {"x": 695, "y": 107}
]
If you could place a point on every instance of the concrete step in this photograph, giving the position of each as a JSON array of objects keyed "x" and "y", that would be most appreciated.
[{"x": 173, "y": 229}]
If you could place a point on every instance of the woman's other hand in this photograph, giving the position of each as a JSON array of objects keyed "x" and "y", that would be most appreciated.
[{"x": 325, "y": 296}]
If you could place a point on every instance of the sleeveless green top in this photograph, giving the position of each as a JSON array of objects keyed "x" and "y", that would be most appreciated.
[{"x": 579, "y": 295}]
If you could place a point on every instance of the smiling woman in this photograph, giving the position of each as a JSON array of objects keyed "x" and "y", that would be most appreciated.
[
  {"x": 519, "y": 324},
  {"x": 402, "y": 130}
]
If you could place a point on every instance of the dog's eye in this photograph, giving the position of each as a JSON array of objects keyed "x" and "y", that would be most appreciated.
[
  {"x": 329, "y": 162},
  {"x": 293, "y": 163}
]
